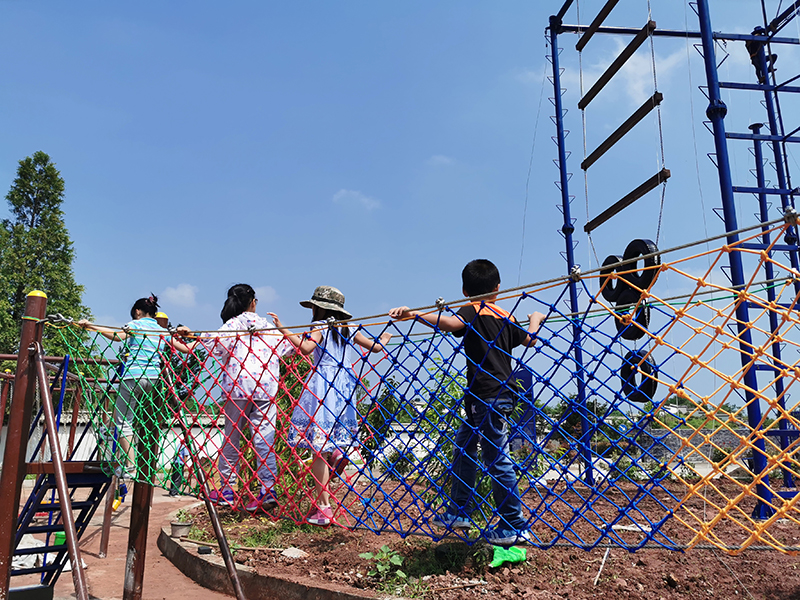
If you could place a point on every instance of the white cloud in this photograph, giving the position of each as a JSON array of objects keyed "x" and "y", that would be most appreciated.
[
  {"x": 355, "y": 198},
  {"x": 638, "y": 72},
  {"x": 634, "y": 80},
  {"x": 439, "y": 160},
  {"x": 266, "y": 295},
  {"x": 182, "y": 295},
  {"x": 531, "y": 76}
]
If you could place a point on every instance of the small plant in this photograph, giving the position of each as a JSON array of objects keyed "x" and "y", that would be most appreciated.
[
  {"x": 183, "y": 516},
  {"x": 720, "y": 455},
  {"x": 386, "y": 565}
]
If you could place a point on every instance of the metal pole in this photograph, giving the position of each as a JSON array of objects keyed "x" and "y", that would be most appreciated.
[
  {"x": 716, "y": 112},
  {"x": 769, "y": 271},
  {"x": 786, "y": 200},
  {"x": 19, "y": 423},
  {"x": 567, "y": 229},
  {"x": 64, "y": 499},
  {"x": 213, "y": 515}
]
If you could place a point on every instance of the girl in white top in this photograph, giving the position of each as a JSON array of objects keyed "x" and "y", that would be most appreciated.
[{"x": 250, "y": 375}]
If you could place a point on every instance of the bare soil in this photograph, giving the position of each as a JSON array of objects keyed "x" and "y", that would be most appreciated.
[{"x": 451, "y": 569}]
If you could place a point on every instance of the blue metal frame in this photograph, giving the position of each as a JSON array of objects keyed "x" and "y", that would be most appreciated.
[
  {"x": 763, "y": 206},
  {"x": 567, "y": 229},
  {"x": 716, "y": 112}
]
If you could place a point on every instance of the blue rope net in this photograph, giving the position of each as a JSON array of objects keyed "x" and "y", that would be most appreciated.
[{"x": 643, "y": 442}]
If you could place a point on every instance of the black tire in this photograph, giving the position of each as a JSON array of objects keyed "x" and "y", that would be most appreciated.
[
  {"x": 641, "y": 279},
  {"x": 642, "y": 316},
  {"x": 645, "y": 391},
  {"x": 612, "y": 288}
]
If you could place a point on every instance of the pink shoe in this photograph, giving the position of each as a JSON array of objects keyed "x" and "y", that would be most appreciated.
[
  {"x": 322, "y": 516},
  {"x": 266, "y": 501},
  {"x": 223, "y": 498}
]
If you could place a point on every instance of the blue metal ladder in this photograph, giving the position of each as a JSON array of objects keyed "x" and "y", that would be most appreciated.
[{"x": 54, "y": 555}]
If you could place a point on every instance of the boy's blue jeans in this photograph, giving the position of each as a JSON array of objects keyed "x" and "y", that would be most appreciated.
[{"x": 486, "y": 421}]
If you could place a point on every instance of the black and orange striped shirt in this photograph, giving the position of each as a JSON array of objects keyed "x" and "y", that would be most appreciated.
[{"x": 490, "y": 335}]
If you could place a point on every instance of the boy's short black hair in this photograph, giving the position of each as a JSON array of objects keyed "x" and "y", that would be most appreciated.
[{"x": 480, "y": 276}]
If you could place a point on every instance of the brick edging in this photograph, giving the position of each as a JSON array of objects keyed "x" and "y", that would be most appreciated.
[{"x": 210, "y": 572}]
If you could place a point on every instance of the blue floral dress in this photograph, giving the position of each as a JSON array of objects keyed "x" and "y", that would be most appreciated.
[{"x": 325, "y": 418}]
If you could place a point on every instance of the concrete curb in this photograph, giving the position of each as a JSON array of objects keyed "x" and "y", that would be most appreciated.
[{"x": 210, "y": 572}]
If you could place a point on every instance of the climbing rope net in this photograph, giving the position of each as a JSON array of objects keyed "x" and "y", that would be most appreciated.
[{"x": 643, "y": 439}]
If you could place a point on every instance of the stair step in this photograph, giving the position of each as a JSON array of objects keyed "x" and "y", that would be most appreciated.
[
  {"x": 52, "y": 528},
  {"x": 56, "y": 507},
  {"x": 40, "y": 550},
  {"x": 51, "y": 567},
  {"x": 31, "y": 592}
]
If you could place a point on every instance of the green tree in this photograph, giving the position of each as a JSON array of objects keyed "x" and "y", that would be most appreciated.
[{"x": 36, "y": 253}]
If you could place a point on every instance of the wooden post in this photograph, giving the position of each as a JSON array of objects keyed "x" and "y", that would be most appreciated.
[
  {"x": 107, "y": 513},
  {"x": 137, "y": 541},
  {"x": 19, "y": 423},
  {"x": 140, "y": 506},
  {"x": 77, "y": 399},
  {"x": 4, "y": 387}
]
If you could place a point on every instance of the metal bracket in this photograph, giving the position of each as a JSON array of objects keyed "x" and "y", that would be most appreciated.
[{"x": 58, "y": 318}]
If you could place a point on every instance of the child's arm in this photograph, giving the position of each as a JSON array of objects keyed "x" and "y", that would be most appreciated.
[
  {"x": 183, "y": 345},
  {"x": 536, "y": 320},
  {"x": 371, "y": 344},
  {"x": 450, "y": 323},
  {"x": 112, "y": 334},
  {"x": 305, "y": 343}
]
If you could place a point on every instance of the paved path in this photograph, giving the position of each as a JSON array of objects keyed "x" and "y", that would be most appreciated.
[{"x": 162, "y": 581}]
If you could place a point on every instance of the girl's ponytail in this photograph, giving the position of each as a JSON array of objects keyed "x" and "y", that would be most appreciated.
[
  {"x": 238, "y": 301},
  {"x": 149, "y": 306}
]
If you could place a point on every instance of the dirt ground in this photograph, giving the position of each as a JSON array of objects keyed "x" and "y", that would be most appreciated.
[
  {"x": 450, "y": 569},
  {"x": 445, "y": 570},
  {"x": 105, "y": 575}
]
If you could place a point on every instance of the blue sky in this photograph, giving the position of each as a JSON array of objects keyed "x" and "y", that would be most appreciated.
[{"x": 376, "y": 147}]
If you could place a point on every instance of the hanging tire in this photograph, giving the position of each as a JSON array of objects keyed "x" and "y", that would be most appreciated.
[
  {"x": 645, "y": 278},
  {"x": 642, "y": 316},
  {"x": 633, "y": 363},
  {"x": 612, "y": 288}
]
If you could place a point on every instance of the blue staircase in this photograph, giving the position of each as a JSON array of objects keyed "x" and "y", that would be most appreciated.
[{"x": 43, "y": 499}]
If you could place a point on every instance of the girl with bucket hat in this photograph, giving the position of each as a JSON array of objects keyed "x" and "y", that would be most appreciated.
[{"x": 325, "y": 419}]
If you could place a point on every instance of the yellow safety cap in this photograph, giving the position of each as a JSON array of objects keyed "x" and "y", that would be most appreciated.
[
  {"x": 161, "y": 315},
  {"x": 38, "y": 293}
]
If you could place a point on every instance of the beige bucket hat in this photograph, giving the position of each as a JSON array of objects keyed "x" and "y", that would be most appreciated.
[{"x": 330, "y": 298}]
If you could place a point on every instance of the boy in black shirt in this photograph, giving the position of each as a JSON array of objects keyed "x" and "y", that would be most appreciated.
[{"x": 490, "y": 333}]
